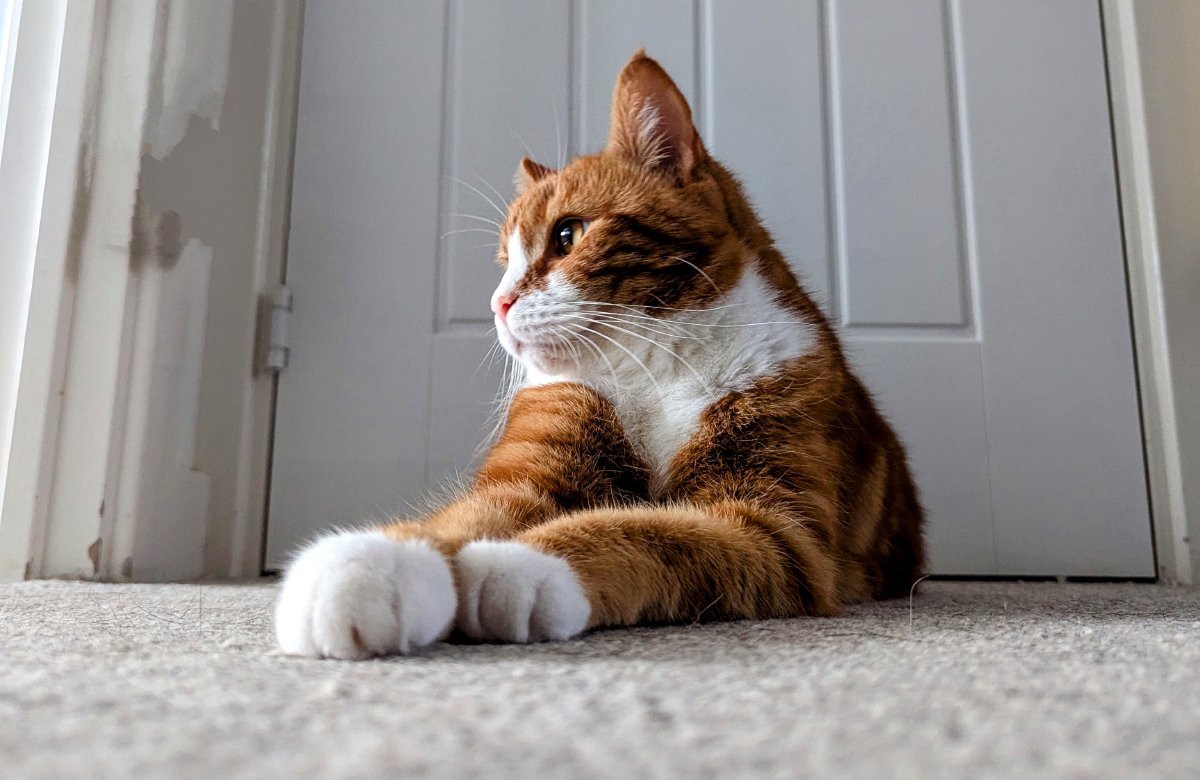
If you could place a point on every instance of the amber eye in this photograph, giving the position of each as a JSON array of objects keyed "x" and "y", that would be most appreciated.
[{"x": 569, "y": 233}]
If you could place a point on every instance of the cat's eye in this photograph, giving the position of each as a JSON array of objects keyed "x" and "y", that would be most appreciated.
[{"x": 569, "y": 233}]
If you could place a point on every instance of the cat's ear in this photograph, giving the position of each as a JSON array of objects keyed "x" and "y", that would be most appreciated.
[
  {"x": 529, "y": 173},
  {"x": 651, "y": 121}
]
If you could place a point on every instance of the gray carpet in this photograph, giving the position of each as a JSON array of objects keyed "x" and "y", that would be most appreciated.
[{"x": 987, "y": 680}]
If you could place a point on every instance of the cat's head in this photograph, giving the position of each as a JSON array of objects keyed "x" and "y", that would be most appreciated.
[{"x": 645, "y": 228}]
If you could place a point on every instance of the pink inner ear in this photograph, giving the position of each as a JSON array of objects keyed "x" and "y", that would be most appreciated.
[
  {"x": 651, "y": 120},
  {"x": 668, "y": 126},
  {"x": 529, "y": 173}
]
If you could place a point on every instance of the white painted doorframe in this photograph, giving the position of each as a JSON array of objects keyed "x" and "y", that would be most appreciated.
[
  {"x": 1160, "y": 421},
  {"x": 68, "y": 435}
]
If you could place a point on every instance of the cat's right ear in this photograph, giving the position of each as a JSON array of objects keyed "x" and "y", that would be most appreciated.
[
  {"x": 528, "y": 174},
  {"x": 651, "y": 120}
]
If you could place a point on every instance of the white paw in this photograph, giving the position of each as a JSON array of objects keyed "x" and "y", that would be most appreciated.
[
  {"x": 510, "y": 592},
  {"x": 355, "y": 595}
]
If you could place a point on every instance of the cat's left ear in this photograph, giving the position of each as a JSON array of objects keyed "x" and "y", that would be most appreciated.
[
  {"x": 529, "y": 173},
  {"x": 651, "y": 120}
]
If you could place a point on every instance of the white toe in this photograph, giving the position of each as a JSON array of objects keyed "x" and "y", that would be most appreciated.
[
  {"x": 510, "y": 592},
  {"x": 355, "y": 595}
]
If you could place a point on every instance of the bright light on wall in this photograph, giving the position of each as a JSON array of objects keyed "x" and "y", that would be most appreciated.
[{"x": 8, "y": 9}]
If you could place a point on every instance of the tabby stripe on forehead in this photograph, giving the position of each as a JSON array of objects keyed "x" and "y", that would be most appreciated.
[
  {"x": 634, "y": 225},
  {"x": 667, "y": 283},
  {"x": 637, "y": 236},
  {"x": 638, "y": 253}
]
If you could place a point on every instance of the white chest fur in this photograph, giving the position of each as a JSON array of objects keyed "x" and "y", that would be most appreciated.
[{"x": 662, "y": 376}]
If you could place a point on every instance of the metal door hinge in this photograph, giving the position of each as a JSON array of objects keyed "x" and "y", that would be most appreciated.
[{"x": 275, "y": 310}]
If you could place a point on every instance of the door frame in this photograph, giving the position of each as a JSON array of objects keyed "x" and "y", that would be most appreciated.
[
  {"x": 67, "y": 413},
  {"x": 1169, "y": 445}
]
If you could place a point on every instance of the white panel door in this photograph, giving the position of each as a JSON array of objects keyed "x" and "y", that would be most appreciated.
[{"x": 940, "y": 174}]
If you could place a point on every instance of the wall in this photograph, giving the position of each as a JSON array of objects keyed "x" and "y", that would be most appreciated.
[
  {"x": 48, "y": 82},
  {"x": 19, "y": 170}
]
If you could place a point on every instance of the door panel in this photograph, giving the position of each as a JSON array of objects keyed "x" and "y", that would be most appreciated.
[
  {"x": 762, "y": 116},
  {"x": 1068, "y": 481},
  {"x": 466, "y": 374},
  {"x": 940, "y": 176},
  {"x": 509, "y": 95},
  {"x": 932, "y": 391},
  {"x": 503, "y": 97},
  {"x": 894, "y": 160}
]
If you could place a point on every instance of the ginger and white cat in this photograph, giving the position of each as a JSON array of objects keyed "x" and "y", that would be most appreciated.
[{"x": 688, "y": 442}]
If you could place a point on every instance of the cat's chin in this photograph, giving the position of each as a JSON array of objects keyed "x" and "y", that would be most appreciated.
[{"x": 546, "y": 358}]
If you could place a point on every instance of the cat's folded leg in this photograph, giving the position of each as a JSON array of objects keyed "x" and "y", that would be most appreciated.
[{"x": 616, "y": 567}]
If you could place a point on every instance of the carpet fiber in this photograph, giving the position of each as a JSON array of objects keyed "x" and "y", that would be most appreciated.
[{"x": 980, "y": 680}]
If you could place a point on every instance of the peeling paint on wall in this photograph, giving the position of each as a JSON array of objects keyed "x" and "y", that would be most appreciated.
[
  {"x": 94, "y": 554},
  {"x": 192, "y": 72},
  {"x": 162, "y": 500}
]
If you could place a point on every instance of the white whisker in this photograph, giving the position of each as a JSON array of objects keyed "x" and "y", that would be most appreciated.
[
  {"x": 636, "y": 359},
  {"x": 522, "y": 140},
  {"x": 488, "y": 220},
  {"x": 663, "y": 347},
  {"x": 635, "y": 323},
  {"x": 481, "y": 194},
  {"x": 645, "y": 308},
  {"x": 700, "y": 271},
  {"x": 489, "y": 355},
  {"x": 611, "y": 369},
  {"x": 556, "y": 334},
  {"x": 469, "y": 230},
  {"x": 558, "y": 136},
  {"x": 686, "y": 324},
  {"x": 488, "y": 184}
]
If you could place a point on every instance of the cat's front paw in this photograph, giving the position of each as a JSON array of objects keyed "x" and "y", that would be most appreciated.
[
  {"x": 510, "y": 592},
  {"x": 356, "y": 595}
]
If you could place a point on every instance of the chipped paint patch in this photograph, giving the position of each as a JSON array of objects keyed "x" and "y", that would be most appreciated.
[{"x": 94, "y": 554}]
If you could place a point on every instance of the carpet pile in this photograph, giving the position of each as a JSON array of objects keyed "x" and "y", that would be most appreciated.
[{"x": 980, "y": 680}]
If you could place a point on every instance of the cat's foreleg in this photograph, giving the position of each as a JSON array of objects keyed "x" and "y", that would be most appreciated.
[
  {"x": 617, "y": 567},
  {"x": 394, "y": 588},
  {"x": 357, "y": 594}
]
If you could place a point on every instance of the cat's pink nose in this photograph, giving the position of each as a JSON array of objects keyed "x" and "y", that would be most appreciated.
[{"x": 501, "y": 304}]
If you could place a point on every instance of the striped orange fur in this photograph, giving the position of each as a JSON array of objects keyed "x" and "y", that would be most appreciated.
[{"x": 689, "y": 442}]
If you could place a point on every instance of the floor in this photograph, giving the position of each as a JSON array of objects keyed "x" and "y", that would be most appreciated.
[{"x": 974, "y": 680}]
